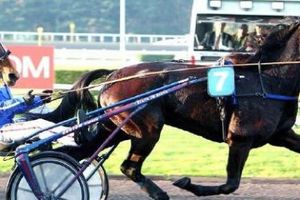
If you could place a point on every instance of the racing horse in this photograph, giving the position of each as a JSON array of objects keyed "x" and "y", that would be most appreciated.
[{"x": 262, "y": 111}]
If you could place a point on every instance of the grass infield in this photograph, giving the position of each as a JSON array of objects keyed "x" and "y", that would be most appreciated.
[{"x": 181, "y": 153}]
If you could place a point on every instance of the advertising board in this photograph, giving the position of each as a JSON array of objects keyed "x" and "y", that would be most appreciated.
[{"x": 35, "y": 65}]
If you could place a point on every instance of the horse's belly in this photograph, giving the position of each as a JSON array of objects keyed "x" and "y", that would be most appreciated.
[{"x": 208, "y": 127}]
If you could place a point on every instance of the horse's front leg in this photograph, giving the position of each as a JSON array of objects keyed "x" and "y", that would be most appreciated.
[{"x": 238, "y": 154}]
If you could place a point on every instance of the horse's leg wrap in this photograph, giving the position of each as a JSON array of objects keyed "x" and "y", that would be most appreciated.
[{"x": 132, "y": 170}]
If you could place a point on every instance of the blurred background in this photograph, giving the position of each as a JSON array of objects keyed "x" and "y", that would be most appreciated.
[{"x": 92, "y": 33}]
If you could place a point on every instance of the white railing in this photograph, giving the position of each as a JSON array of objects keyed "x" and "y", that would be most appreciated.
[
  {"x": 72, "y": 58},
  {"x": 49, "y": 37}
]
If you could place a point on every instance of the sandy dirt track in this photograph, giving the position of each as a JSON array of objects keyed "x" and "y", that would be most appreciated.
[{"x": 258, "y": 189}]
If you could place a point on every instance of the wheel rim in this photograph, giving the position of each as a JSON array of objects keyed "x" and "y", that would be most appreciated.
[
  {"x": 52, "y": 178},
  {"x": 96, "y": 183}
]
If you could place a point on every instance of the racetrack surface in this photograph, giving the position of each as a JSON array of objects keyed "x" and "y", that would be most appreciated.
[{"x": 258, "y": 189}]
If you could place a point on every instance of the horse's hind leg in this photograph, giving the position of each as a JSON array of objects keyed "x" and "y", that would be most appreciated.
[
  {"x": 140, "y": 149},
  {"x": 288, "y": 139},
  {"x": 238, "y": 154},
  {"x": 131, "y": 167}
]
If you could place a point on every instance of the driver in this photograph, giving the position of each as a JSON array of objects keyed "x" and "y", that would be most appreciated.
[
  {"x": 11, "y": 131},
  {"x": 10, "y": 106}
]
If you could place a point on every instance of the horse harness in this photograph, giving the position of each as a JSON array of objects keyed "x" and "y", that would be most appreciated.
[{"x": 222, "y": 101}]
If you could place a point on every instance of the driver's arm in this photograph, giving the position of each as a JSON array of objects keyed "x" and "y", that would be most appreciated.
[{"x": 18, "y": 105}]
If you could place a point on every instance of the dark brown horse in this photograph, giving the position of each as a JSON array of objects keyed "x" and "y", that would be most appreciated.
[{"x": 253, "y": 121}]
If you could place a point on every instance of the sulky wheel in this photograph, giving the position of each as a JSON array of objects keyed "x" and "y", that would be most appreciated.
[
  {"x": 53, "y": 171},
  {"x": 97, "y": 181}
]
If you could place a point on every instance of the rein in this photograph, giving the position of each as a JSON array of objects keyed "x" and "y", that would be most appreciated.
[{"x": 197, "y": 67}]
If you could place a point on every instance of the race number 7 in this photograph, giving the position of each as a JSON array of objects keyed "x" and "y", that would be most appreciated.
[
  {"x": 220, "y": 81},
  {"x": 221, "y": 77}
]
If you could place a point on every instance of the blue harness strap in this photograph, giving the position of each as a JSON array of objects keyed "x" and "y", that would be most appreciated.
[
  {"x": 264, "y": 94},
  {"x": 280, "y": 97},
  {"x": 273, "y": 96}
]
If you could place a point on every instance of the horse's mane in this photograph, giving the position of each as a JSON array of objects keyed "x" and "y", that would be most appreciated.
[
  {"x": 275, "y": 43},
  {"x": 271, "y": 49},
  {"x": 278, "y": 38}
]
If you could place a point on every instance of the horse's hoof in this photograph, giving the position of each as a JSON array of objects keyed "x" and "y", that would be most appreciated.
[
  {"x": 160, "y": 196},
  {"x": 183, "y": 182}
]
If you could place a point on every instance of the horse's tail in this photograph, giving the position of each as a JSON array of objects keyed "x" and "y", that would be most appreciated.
[{"x": 76, "y": 98}]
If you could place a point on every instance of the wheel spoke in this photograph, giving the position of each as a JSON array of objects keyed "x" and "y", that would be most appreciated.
[
  {"x": 44, "y": 178},
  {"x": 25, "y": 190},
  {"x": 61, "y": 182},
  {"x": 60, "y": 198}
]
